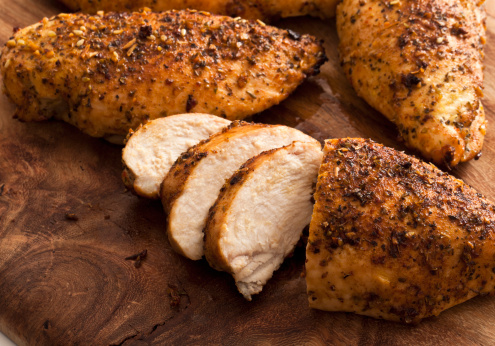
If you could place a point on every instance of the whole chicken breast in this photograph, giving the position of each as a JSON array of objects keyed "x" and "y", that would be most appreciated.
[
  {"x": 193, "y": 183},
  {"x": 108, "y": 73},
  {"x": 419, "y": 62},
  {"x": 395, "y": 238},
  {"x": 250, "y": 9},
  {"x": 260, "y": 214}
]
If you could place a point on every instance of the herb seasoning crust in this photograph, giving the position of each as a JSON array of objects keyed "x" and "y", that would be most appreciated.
[
  {"x": 248, "y": 9},
  {"x": 110, "y": 72},
  {"x": 395, "y": 238},
  {"x": 420, "y": 64}
]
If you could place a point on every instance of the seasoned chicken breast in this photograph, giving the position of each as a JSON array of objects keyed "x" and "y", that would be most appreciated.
[
  {"x": 419, "y": 62},
  {"x": 250, "y": 9},
  {"x": 260, "y": 213},
  {"x": 106, "y": 74},
  {"x": 395, "y": 238},
  {"x": 154, "y": 147},
  {"x": 193, "y": 183}
]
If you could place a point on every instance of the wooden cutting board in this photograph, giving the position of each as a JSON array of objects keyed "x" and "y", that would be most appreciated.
[{"x": 67, "y": 282}]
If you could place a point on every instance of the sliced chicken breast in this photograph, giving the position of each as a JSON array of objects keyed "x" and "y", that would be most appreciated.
[
  {"x": 154, "y": 147},
  {"x": 111, "y": 72},
  {"x": 395, "y": 238},
  {"x": 260, "y": 213},
  {"x": 193, "y": 183}
]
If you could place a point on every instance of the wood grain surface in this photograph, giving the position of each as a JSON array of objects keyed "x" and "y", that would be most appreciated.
[{"x": 66, "y": 281}]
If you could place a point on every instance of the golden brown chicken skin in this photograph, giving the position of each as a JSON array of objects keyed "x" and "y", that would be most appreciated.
[
  {"x": 420, "y": 64},
  {"x": 395, "y": 238},
  {"x": 108, "y": 73},
  {"x": 249, "y": 9}
]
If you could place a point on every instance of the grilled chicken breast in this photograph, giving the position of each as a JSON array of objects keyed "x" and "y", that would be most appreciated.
[
  {"x": 260, "y": 213},
  {"x": 106, "y": 74},
  {"x": 154, "y": 147},
  {"x": 250, "y": 9},
  {"x": 193, "y": 183},
  {"x": 420, "y": 64},
  {"x": 395, "y": 238}
]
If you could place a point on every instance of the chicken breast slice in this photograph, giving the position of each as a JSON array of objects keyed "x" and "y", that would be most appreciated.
[
  {"x": 193, "y": 183},
  {"x": 154, "y": 147},
  {"x": 420, "y": 63},
  {"x": 260, "y": 213},
  {"x": 106, "y": 74},
  {"x": 252, "y": 9},
  {"x": 395, "y": 238}
]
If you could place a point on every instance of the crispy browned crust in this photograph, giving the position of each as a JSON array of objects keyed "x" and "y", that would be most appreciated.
[
  {"x": 249, "y": 9},
  {"x": 106, "y": 74},
  {"x": 381, "y": 211},
  {"x": 419, "y": 62},
  {"x": 217, "y": 214},
  {"x": 128, "y": 176}
]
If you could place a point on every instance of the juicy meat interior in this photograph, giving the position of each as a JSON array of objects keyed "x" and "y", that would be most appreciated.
[
  {"x": 260, "y": 214},
  {"x": 154, "y": 147},
  {"x": 193, "y": 183}
]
